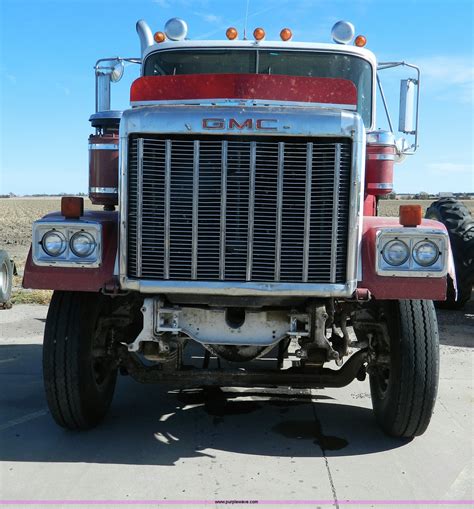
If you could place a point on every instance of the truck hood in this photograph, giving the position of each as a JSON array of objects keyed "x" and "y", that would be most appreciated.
[{"x": 235, "y": 119}]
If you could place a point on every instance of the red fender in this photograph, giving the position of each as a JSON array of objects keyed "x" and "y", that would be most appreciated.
[
  {"x": 79, "y": 279},
  {"x": 385, "y": 287}
]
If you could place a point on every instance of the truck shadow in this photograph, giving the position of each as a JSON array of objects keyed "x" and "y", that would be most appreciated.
[
  {"x": 456, "y": 327},
  {"x": 152, "y": 425}
]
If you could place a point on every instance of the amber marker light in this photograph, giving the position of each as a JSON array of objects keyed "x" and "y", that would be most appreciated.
[
  {"x": 360, "y": 41},
  {"x": 159, "y": 37},
  {"x": 231, "y": 33},
  {"x": 410, "y": 215},
  {"x": 286, "y": 34},
  {"x": 72, "y": 207},
  {"x": 259, "y": 34}
]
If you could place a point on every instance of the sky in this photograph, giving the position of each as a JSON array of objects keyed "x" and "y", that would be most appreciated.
[{"x": 48, "y": 50}]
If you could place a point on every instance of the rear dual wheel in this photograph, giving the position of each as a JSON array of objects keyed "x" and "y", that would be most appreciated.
[
  {"x": 79, "y": 375},
  {"x": 404, "y": 387},
  {"x": 6, "y": 277}
]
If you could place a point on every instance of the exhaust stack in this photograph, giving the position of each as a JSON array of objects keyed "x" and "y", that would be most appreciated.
[{"x": 144, "y": 32}]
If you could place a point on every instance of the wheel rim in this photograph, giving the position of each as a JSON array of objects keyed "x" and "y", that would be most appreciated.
[
  {"x": 382, "y": 378},
  {"x": 101, "y": 371},
  {"x": 4, "y": 278},
  {"x": 101, "y": 363}
]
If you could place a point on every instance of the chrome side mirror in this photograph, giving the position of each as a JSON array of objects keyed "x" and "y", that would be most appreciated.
[
  {"x": 409, "y": 107},
  {"x": 408, "y": 93},
  {"x": 117, "y": 71}
]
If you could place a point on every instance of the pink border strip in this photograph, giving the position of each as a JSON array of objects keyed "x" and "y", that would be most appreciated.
[{"x": 237, "y": 502}]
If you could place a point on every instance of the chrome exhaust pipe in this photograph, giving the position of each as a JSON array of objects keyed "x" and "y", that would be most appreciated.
[{"x": 144, "y": 32}]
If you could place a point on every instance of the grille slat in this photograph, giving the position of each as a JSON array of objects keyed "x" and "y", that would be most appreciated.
[{"x": 225, "y": 209}]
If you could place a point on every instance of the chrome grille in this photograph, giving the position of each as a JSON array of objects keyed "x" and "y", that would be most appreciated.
[{"x": 238, "y": 209}]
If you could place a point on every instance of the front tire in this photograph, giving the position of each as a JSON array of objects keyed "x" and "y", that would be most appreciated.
[
  {"x": 79, "y": 375},
  {"x": 404, "y": 389}
]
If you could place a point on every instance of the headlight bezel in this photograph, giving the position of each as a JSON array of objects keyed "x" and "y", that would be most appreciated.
[
  {"x": 67, "y": 228},
  {"x": 412, "y": 236}
]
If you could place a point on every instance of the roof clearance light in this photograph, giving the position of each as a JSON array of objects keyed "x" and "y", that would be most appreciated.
[
  {"x": 159, "y": 37},
  {"x": 360, "y": 41},
  {"x": 343, "y": 32},
  {"x": 231, "y": 33},
  {"x": 286, "y": 34},
  {"x": 259, "y": 34},
  {"x": 176, "y": 29}
]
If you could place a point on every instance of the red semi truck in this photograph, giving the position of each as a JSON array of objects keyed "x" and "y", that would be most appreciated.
[{"x": 246, "y": 249}]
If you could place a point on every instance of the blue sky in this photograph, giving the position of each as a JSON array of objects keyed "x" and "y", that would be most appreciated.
[{"x": 48, "y": 49}]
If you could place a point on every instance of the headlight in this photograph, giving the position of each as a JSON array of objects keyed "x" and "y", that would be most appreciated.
[
  {"x": 82, "y": 244},
  {"x": 54, "y": 243},
  {"x": 425, "y": 253},
  {"x": 395, "y": 252}
]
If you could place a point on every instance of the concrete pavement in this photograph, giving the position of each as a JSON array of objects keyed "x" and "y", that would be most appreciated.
[{"x": 158, "y": 444}]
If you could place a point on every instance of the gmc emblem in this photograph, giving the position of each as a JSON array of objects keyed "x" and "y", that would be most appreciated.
[{"x": 260, "y": 124}]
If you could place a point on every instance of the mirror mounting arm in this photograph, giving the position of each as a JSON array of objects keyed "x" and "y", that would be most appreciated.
[
  {"x": 382, "y": 95},
  {"x": 389, "y": 65},
  {"x": 108, "y": 70}
]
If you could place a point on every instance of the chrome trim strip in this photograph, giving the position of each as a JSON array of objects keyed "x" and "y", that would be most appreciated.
[
  {"x": 244, "y": 102},
  {"x": 307, "y": 209},
  {"x": 241, "y": 289},
  {"x": 122, "y": 240},
  {"x": 103, "y": 146},
  {"x": 356, "y": 205},
  {"x": 335, "y": 211},
  {"x": 103, "y": 190},
  {"x": 139, "y": 204},
  {"x": 253, "y": 162},
  {"x": 167, "y": 208},
  {"x": 223, "y": 210},
  {"x": 279, "y": 208},
  {"x": 380, "y": 186},
  {"x": 381, "y": 157},
  {"x": 195, "y": 210}
]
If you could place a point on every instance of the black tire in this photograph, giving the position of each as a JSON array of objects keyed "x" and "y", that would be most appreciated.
[
  {"x": 79, "y": 382},
  {"x": 460, "y": 225},
  {"x": 6, "y": 277},
  {"x": 404, "y": 390}
]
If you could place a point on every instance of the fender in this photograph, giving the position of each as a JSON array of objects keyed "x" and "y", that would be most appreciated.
[
  {"x": 79, "y": 279},
  {"x": 394, "y": 288}
]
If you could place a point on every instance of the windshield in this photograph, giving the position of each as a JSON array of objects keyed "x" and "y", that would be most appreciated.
[{"x": 288, "y": 63}]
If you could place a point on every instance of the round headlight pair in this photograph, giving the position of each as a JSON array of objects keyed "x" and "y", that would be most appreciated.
[
  {"x": 82, "y": 244},
  {"x": 396, "y": 253}
]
